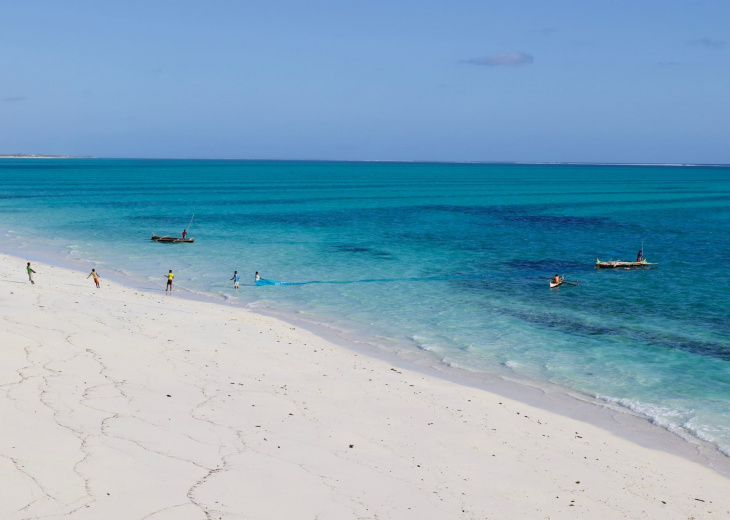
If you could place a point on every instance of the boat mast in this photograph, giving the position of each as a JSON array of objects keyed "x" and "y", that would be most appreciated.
[{"x": 191, "y": 223}]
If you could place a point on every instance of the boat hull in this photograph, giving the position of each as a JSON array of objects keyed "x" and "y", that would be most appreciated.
[
  {"x": 624, "y": 265},
  {"x": 172, "y": 240}
]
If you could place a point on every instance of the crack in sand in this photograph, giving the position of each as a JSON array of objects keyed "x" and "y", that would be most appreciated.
[
  {"x": 232, "y": 450},
  {"x": 46, "y": 494},
  {"x": 149, "y": 516},
  {"x": 194, "y": 487}
]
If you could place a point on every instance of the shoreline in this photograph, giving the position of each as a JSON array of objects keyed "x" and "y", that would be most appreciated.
[
  {"x": 189, "y": 399},
  {"x": 612, "y": 417}
]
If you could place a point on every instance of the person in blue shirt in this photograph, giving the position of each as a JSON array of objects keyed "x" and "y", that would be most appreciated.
[
  {"x": 235, "y": 279},
  {"x": 639, "y": 256}
]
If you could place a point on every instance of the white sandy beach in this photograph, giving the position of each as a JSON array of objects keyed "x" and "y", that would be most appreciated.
[{"x": 123, "y": 404}]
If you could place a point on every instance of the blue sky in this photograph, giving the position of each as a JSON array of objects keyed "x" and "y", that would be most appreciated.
[{"x": 603, "y": 81}]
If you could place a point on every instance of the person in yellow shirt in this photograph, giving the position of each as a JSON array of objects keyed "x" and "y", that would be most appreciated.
[
  {"x": 96, "y": 277},
  {"x": 170, "y": 276}
]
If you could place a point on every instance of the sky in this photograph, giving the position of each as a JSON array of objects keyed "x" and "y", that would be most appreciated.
[{"x": 399, "y": 80}]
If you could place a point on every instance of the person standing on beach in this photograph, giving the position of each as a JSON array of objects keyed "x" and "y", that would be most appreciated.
[
  {"x": 96, "y": 277},
  {"x": 170, "y": 276},
  {"x": 30, "y": 273},
  {"x": 235, "y": 279}
]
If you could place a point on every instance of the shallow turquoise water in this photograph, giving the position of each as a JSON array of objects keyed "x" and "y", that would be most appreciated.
[{"x": 449, "y": 259}]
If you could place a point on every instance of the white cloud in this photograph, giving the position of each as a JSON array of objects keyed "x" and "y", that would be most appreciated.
[
  {"x": 709, "y": 42},
  {"x": 502, "y": 59}
]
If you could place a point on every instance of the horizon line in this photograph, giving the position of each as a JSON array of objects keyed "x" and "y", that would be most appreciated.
[{"x": 386, "y": 161}]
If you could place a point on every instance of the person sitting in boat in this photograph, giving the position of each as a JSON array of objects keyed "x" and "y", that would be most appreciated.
[
  {"x": 185, "y": 233},
  {"x": 639, "y": 256},
  {"x": 557, "y": 279}
]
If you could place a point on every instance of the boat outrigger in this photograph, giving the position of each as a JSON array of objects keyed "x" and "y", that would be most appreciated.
[{"x": 176, "y": 240}]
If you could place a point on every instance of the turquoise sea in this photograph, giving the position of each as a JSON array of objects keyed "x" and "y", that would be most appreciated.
[{"x": 445, "y": 260}]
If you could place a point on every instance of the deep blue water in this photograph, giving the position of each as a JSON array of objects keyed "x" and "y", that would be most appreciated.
[{"x": 450, "y": 260}]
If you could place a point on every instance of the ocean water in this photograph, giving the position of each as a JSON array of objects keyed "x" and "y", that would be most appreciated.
[{"x": 446, "y": 260}]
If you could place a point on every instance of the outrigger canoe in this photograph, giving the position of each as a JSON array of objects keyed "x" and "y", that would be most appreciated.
[
  {"x": 172, "y": 240},
  {"x": 617, "y": 264}
]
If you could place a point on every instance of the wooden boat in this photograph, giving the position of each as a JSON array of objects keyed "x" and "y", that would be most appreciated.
[
  {"x": 620, "y": 264},
  {"x": 172, "y": 240},
  {"x": 175, "y": 240},
  {"x": 553, "y": 285}
]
